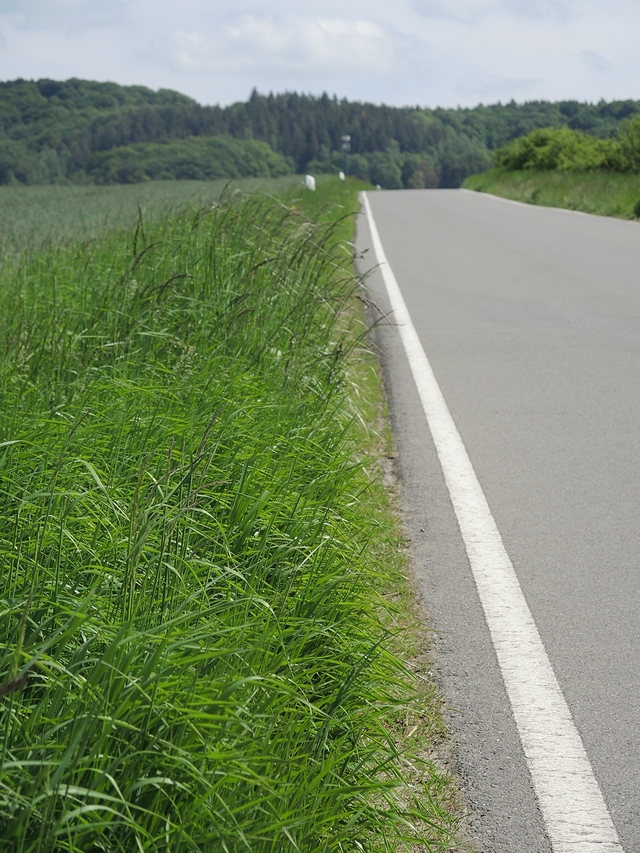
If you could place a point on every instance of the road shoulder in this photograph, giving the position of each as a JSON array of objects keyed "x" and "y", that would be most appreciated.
[{"x": 502, "y": 814}]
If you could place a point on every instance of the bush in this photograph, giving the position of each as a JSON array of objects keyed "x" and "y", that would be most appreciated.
[
  {"x": 561, "y": 149},
  {"x": 628, "y": 154}
]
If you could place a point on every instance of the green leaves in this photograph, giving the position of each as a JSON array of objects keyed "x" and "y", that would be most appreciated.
[
  {"x": 629, "y": 146},
  {"x": 565, "y": 150},
  {"x": 560, "y": 149}
]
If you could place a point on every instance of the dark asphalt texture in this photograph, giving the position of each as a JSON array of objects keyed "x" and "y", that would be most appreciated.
[{"x": 530, "y": 318}]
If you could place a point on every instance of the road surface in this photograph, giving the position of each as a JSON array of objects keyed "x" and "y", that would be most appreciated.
[{"x": 530, "y": 319}]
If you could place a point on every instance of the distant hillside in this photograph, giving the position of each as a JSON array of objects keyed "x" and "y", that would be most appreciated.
[
  {"x": 54, "y": 132},
  {"x": 196, "y": 158}
]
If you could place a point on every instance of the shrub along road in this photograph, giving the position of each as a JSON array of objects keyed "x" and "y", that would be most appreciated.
[{"x": 529, "y": 318}]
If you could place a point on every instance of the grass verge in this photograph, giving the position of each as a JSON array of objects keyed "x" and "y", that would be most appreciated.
[
  {"x": 416, "y": 727},
  {"x": 195, "y": 648},
  {"x": 602, "y": 193}
]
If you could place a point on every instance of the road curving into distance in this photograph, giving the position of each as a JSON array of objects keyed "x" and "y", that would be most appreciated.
[{"x": 514, "y": 382}]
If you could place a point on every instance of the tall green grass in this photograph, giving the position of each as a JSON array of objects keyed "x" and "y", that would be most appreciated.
[
  {"x": 602, "y": 193},
  {"x": 192, "y": 650}
]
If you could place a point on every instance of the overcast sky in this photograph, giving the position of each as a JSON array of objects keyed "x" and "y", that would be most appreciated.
[{"x": 427, "y": 52}]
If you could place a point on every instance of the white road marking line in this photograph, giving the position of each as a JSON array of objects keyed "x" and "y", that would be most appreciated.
[
  {"x": 572, "y": 805},
  {"x": 529, "y": 205}
]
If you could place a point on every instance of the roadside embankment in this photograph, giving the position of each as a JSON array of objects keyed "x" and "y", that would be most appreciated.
[
  {"x": 603, "y": 193},
  {"x": 197, "y": 646}
]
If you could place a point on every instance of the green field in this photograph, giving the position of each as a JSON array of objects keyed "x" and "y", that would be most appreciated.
[
  {"x": 603, "y": 193},
  {"x": 32, "y": 217},
  {"x": 198, "y": 641}
]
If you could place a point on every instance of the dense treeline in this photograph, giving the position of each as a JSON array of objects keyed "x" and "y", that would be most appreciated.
[
  {"x": 56, "y": 131},
  {"x": 196, "y": 158}
]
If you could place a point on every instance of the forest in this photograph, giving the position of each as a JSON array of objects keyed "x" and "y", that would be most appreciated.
[{"x": 60, "y": 132}]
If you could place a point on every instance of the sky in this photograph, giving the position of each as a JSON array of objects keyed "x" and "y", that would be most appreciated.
[{"x": 417, "y": 52}]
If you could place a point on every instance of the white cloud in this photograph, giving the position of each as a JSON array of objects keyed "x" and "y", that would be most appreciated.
[
  {"x": 309, "y": 45},
  {"x": 412, "y": 51}
]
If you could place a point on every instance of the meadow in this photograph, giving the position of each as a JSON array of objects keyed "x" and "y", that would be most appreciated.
[
  {"x": 600, "y": 192},
  {"x": 34, "y": 217},
  {"x": 198, "y": 641}
]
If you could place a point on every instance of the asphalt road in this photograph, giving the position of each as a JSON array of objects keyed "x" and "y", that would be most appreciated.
[{"x": 530, "y": 318}]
